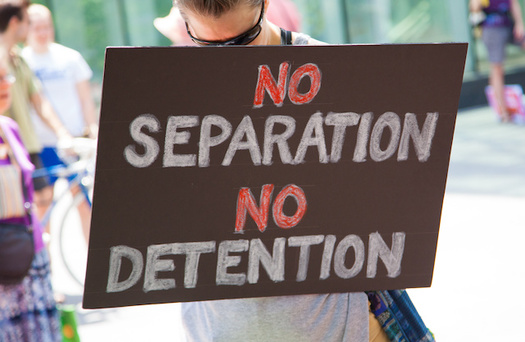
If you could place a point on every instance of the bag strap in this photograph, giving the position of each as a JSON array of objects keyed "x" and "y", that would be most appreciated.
[
  {"x": 286, "y": 37},
  {"x": 14, "y": 161},
  {"x": 10, "y": 152}
]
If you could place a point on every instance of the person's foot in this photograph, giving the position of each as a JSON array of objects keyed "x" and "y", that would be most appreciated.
[
  {"x": 60, "y": 298},
  {"x": 506, "y": 118}
]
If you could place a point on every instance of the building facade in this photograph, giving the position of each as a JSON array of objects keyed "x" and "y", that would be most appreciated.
[{"x": 91, "y": 25}]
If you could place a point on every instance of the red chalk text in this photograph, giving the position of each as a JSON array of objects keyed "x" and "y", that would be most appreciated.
[
  {"x": 246, "y": 204},
  {"x": 278, "y": 89}
]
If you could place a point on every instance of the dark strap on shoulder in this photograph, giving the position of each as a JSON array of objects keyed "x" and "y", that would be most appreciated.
[{"x": 286, "y": 37}]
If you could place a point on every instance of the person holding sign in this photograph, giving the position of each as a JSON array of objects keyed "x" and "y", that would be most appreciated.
[{"x": 319, "y": 317}]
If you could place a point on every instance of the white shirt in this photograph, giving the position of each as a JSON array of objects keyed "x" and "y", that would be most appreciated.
[{"x": 59, "y": 70}]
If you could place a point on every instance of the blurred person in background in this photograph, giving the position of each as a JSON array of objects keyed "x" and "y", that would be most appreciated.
[
  {"x": 284, "y": 13},
  {"x": 65, "y": 78},
  {"x": 172, "y": 27},
  {"x": 28, "y": 309},
  {"x": 501, "y": 23},
  {"x": 26, "y": 95}
]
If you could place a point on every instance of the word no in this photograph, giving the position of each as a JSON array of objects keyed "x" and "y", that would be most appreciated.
[
  {"x": 246, "y": 203},
  {"x": 277, "y": 90}
]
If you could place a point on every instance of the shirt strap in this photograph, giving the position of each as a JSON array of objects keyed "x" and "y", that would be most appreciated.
[{"x": 286, "y": 37}]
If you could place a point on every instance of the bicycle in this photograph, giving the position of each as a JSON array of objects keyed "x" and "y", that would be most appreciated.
[{"x": 78, "y": 156}]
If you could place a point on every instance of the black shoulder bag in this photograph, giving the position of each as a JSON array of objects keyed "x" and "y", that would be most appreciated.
[{"x": 17, "y": 248}]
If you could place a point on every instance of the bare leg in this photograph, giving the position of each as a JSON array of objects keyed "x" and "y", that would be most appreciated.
[
  {"x": 497, "y": 81},
  {"x": 43, "y": 199},
  {"x": 84, "y": 210}
]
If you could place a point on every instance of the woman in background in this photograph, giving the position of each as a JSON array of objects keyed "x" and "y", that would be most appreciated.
[
  {"x": 502, "y": 24},
  {"x": 28, "y": 310}
]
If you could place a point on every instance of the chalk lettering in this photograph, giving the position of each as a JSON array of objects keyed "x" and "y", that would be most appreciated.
[
  {"x": 392, "y": 121},
  {"x": 282, "y": 220},
  {"x": 304, "y": 243},
  {"x": 174, "y": 137},
  {"x": 272, "y": 263},
  {"x": 246, "y": 203},
  {"x": 422, "y": 139},
  {"x": 115, "y": 262},
  {"x": 312, "y": 71},
  {"x": 225, "y": 260},
  {"x": 206, "y": 140},
  {"x": 231, "y": 252},
  {"x": 265, "y": 81},
  {"x": 328, "y": 252},
  {"x": 245, "y": 129},
  {"x": 155, "y": 265},
  {"x": 277, "y": 90},
  {"x": 380, "y": 140},
  {"x": 377, "y": 248},
  {"x": 151, "y": 147},
  {"x": 340, "y": 121},
  {"x": 313, "y": 135},
  {"x": 281, "y": 140},
  {"x": 340, "y": 268},
  {"x": 363, "y": 135},
  {"x": 193, "y": 251}
]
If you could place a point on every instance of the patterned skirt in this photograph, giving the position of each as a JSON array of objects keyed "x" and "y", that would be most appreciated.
[{"x": 28, "y": 311}]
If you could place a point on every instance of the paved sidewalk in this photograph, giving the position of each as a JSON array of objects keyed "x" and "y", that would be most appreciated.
[
  {"x": 488, "y": 158},
  {"x": 478, "y": 259},
  {"x": 478, "y": 276}
]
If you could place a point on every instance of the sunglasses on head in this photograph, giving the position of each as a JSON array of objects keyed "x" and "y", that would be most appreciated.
[{"x": 242, "y": 39}]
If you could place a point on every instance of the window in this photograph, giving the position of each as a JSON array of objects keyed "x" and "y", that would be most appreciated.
[{"x": 90, "y": 25}]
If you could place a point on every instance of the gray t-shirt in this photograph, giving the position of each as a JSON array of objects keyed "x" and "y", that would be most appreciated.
[
  {"x": 335, "y": 317},
  {"x": 304, "y": 39}
]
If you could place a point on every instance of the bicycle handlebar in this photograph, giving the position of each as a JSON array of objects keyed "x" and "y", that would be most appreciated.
[
  {"x": 84, "y": 148},
  {"x": 78, "y": 155}
]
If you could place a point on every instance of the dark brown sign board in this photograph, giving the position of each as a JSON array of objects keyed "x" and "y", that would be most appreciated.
[{"x": 260, "y": 171}]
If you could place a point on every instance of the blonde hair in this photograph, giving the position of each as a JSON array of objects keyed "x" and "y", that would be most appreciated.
[{"x": 39, "y": 10}]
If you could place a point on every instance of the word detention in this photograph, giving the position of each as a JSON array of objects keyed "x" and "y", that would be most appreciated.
[
  {"x": 226, "y": 255},
  {"x": 388, "y": 136}
]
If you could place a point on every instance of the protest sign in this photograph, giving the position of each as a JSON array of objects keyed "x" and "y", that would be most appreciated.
[{"x": 260, "y": 171}]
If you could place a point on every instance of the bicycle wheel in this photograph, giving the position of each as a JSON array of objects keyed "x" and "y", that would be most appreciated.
[{"x": 73, "y": 246}]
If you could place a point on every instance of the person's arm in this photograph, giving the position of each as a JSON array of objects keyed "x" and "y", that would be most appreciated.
[
  {"x": 515, "y": 10},
  {"x": 475, "y": 6},
  {"x": 88, "y": 107},
  {"x": 46, "y": 112}
]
